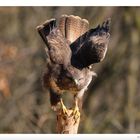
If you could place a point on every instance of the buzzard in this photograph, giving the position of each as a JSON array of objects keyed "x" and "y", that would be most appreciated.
[{"x": 71, "y": 49}]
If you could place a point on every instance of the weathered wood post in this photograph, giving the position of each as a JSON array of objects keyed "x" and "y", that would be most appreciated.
[{"x": 67, "y": 123}]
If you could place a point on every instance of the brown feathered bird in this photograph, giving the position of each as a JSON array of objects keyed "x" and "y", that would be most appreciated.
[{"x": 71, "y": 49}]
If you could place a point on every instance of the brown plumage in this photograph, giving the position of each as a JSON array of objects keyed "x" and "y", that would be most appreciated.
[
  {"x": 71, "y": 49},
  {"x": 72, "y": 27}
]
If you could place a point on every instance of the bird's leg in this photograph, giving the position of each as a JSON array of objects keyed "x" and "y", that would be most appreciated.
[
  {"x": 64, "y": 109},
  {"x": 76, "y": 111}
]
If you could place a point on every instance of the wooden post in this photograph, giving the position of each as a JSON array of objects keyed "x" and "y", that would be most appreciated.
[{"x": 67, "y": 123}]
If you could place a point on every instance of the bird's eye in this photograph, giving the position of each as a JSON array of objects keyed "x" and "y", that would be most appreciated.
[
  {"x": 69, "y": 76},
  {"x": 80, "y": 79}
]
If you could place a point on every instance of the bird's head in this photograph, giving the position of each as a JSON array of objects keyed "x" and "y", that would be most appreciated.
[
  {"x": 74, "y": 76},
  {"x": 80, "y": 77}
]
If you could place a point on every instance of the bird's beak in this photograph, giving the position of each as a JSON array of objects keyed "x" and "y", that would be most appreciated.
[{"x": 76, "y": 81}]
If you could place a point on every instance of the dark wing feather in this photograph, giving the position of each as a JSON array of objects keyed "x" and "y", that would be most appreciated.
[
  {"x": 45, "y": 29},
  {"x": 59, "y": 53},
  {"x": 93, "y": 46},
  {"x": 58, "y": 48}
]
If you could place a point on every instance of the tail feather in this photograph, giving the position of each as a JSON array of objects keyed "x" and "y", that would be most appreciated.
[
  {"x": 72, "y": 27},
  {"x": 84, "y": 26},
  {"x": 62, "y": 24}
]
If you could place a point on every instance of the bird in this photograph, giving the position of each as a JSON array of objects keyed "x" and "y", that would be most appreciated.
[{"x": 71, "y": 50}]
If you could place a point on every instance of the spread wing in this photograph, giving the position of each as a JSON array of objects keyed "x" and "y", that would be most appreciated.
[
  {"x": 91, "y": 47},
  {"x": 72, "y": 27},
  {"x": 57, "y": 46}
]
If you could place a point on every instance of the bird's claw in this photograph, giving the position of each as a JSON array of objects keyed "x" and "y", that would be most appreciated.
[
  {"x": 76, "y": 113},
  {"x": 64, "y": 109}
]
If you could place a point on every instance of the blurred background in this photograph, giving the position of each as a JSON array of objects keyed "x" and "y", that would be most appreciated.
[{"x": 112, "y": 102}]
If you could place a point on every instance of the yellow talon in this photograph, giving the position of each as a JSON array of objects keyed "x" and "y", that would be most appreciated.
[
  {"x": 76, "y": 111},
  {"x": 64, "y": 109}
]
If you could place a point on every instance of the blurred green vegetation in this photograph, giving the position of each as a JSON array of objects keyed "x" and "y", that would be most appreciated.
[{"x": 112, "y": 103}]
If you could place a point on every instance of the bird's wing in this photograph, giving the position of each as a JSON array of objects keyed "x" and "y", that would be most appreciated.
[
  {"x": 94, "y": 45},
  {"x": 45, "y": 29},
  {"x": 72, "y": 27},
  {"x": 57, "y": 46}
]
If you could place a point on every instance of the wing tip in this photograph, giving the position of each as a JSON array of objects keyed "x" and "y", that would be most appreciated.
[
  {"x": 39, "y": 27},
  {"x": 106, "y": 24},
  {"x": 108, "y": 21},
  {"x": 48, "y": 21}
]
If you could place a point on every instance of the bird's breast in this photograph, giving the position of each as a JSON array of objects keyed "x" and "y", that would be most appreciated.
[{"x": 67, "y": 84}]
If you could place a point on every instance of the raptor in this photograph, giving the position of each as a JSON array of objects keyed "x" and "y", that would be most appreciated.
[{"x": 71, "y": 49}]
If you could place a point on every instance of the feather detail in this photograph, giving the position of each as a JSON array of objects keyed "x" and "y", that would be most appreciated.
[
  {"x": 62, "y": 24},
  {"x": 45, "y": 29},
  {"x": 71, "y": 49},
  {"x": 72, "y": 27},
  {"x": 73, "y": 24},
  {"x": 84, "y": 26},
  {"x": 91, "y": 46}
]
